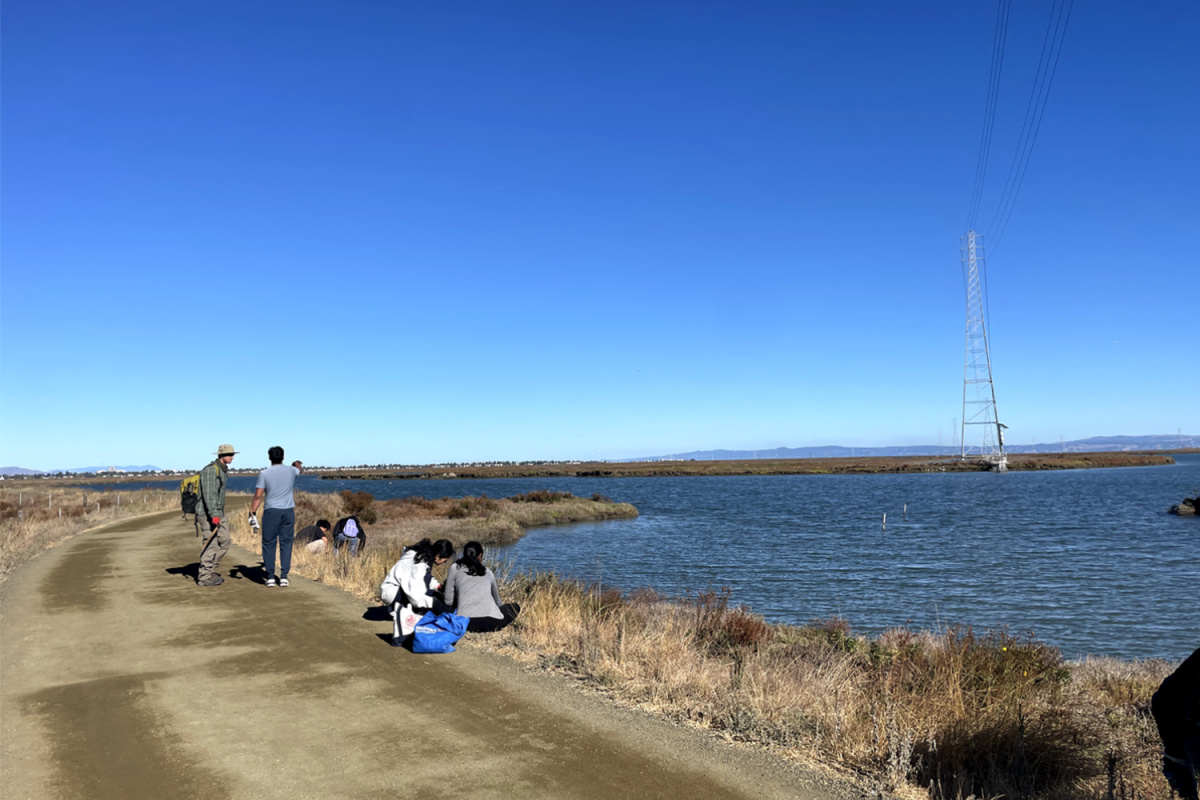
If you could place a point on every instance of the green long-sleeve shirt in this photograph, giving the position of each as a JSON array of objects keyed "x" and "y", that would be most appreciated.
[{"x": 212, "y": 489}]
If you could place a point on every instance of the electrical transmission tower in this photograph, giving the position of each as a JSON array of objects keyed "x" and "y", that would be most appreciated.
[{"x": 979, "y": 393}]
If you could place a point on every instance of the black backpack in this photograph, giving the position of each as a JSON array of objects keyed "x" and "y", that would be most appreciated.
[{"x": 189, "y": 494}]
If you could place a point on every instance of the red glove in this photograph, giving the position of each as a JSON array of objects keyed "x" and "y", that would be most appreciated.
[{"x": 216, "y": 521}]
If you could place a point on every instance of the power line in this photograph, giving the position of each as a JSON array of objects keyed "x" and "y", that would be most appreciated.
[
  {"x": 1052, "y": 42},
  {"x": 999, "y": 36}
]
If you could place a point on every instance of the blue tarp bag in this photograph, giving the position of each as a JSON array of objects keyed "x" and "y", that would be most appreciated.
[{"x": 437, "y": 633}]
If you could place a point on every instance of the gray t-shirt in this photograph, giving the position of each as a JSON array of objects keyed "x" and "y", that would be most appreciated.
[
  {"x": 473, "y": 595},
  {"x": 277, "y": 481}
]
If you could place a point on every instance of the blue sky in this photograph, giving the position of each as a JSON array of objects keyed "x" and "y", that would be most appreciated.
[{"x": 382, "y": 230}]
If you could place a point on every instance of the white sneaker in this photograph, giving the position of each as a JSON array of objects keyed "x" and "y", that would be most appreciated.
[
  {"x": 283, "y": 582},
  {"x": 271, "y": 583}
]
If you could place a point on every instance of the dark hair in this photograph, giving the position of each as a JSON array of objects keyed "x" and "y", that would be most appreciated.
[
  {"x": 427, "y": 552},
  {"x": 472, "y": 559},
  {"x": 323, "y": 523},
  {"x": 275, "y": 454}
]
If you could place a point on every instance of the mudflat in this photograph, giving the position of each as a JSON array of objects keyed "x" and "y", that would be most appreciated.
[{"x": 119, "y": 678}]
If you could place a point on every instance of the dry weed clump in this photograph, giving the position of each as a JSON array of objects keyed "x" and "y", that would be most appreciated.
[{"x": 32, "y": 520}]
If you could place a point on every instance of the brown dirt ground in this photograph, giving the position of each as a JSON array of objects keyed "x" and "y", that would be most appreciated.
[{"x": 119, "y": 678}]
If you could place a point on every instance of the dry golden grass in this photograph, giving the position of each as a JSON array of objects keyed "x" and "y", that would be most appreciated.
[
  {"x": 950, "y": 712},
  {"x": 31, "y": 521},
  {"x": 947, "y": 714}
]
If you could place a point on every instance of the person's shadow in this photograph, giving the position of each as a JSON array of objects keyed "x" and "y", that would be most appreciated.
[
  {"x": 377, "y": 614},
  {"x": 190, "y": 571},
  {"x": 255, "y": 574},
  {"x": 386, "y": 638}
]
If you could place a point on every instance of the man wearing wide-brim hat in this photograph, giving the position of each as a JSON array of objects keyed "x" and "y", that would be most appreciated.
[{"x": 210, "y": 516}]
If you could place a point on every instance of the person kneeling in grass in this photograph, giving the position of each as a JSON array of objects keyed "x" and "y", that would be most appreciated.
[
  {"x": 472, "y": 588},
  {"x": 315, "y": 538},
  {"x": 350, "y": 533}
]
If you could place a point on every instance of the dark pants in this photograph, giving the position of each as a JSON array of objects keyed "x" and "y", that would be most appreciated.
[
  {"x": 278, "y": 524},
  {"x": 491, "y": 624}
]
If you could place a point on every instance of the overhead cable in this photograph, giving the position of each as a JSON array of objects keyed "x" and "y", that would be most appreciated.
[
  {"x": 999, "y": 36},
  {"x": 1052, "y": 42}
]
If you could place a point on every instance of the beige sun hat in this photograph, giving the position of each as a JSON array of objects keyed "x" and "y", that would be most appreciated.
[{"x": 226, "y": 450}]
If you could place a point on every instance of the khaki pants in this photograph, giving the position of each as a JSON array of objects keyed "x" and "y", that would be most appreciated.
[
  {"x": 211, "y": 555},
  {"x": 317, "y": 546}
]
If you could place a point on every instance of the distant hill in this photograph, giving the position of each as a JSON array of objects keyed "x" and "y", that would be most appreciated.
[
  {"x": 1092, "y": 445},
  {"x": 23, "y": 471}
]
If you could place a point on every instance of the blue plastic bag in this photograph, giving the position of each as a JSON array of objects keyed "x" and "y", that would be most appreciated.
[{"x": 437, "y": 633}]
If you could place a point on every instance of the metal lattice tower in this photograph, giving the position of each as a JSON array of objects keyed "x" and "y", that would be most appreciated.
[{"x": 979, "y": 393}]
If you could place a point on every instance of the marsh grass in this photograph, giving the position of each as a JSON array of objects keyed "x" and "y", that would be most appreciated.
[
  {"x": 953, "y": 712},
  {"x": 31, "y": 521},
  {"x": 949, "y": 714}
]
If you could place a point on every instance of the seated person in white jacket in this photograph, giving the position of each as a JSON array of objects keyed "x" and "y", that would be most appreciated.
[{"x": 410, "y": 581}]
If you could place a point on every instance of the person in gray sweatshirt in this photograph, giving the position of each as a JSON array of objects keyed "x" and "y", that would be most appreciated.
[{"x": 471, "y": 589}]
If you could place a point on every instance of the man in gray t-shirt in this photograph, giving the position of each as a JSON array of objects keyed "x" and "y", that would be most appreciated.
[{"x": 274, "y": 487}]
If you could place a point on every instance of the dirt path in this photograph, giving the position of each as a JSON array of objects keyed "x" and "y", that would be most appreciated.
[{"x": 119, "y": 678}]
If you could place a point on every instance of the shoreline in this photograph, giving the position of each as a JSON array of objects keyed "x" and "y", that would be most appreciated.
[
  {"x": 867, "y": 465},
  {"x": 902, "y": 709},
  {"x": 874, "y": 465}
]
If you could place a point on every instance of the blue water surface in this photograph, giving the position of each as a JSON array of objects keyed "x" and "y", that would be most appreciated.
[{"x": 1087, "y": 560}]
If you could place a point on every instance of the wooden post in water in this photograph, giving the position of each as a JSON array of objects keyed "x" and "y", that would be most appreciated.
[
  {"x": 906, "y": 512},
  {"x": 885, "y": 520}
]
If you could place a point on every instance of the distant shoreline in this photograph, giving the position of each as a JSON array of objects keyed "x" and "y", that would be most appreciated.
[
  {"x": 875, "y": 465},
  {"x": 866, "y": 465}
]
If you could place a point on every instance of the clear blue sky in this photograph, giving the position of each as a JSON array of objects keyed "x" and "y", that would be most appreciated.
[{"x": 387, "y": 230}]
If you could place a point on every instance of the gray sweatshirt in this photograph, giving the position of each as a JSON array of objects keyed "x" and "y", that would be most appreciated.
[{"x": 474, "y": 595}]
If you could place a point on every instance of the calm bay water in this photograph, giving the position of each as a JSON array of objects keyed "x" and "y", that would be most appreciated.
[{"x": 1087, "y": 560}]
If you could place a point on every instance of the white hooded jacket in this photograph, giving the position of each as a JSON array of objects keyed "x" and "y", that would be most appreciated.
[{"x": 411, "y": 577}]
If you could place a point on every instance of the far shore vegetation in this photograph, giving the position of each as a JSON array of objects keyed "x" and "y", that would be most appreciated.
[
  {"x": 947, "y": 714},
  {"x": 1019, "y": 462},
  {"x": 783, "y": 466}
]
